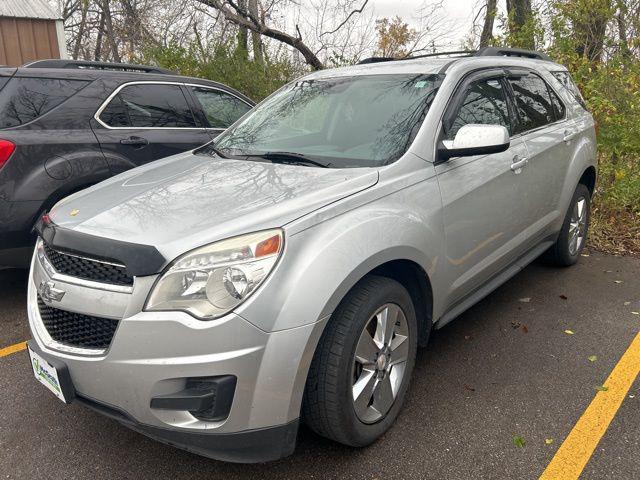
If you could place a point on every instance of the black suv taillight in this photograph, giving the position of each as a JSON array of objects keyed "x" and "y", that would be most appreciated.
[{"x": 6, "y": 149}]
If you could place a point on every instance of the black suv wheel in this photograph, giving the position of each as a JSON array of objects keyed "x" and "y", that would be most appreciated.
[{"x": 361, "y": 370}]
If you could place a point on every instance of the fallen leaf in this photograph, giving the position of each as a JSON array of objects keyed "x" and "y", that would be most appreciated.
[
  {"x": 469, "y": 387},
  {"x": 548, "y": 441},
  {"x": 602, "y": 388},
  {"x": 525, "y": 299},
  {"x": 563, "y": 296},
  {"x": 525, "y": 329},
  {"x": 518, "y": 441},
  {"x": 569, "y": 332},
  {"x": 593, "y": 358}
]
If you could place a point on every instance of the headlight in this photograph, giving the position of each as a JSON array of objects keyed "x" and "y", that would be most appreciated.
[{"x": 213, "y": 280}]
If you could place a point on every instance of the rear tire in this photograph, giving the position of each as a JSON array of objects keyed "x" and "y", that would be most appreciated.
[
  {"x": 573, "y": 236},
  {"x": 361, "y": 369}
]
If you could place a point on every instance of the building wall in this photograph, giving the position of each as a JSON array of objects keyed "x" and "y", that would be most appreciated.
[{"x": 23, "y": 40}]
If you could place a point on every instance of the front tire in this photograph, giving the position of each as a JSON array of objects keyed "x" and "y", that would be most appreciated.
[
  {"x": 361, "y": 369},
  {"x": 573, "y": 236}
]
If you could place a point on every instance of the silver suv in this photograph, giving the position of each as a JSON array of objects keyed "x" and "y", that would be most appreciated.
[{"x": 289, "y": 270}]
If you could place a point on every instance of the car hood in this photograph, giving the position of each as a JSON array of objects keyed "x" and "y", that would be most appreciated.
[{"x": 188, "y": 200}]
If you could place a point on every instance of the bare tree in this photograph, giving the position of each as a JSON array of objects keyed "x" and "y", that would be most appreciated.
[
  {"x": 243, "y": 34},
  {"x": 591, "y": 29},
  {"x": 256, "y": 39},
  {"x": 487, "y": 29},
  {"x": 519, "y": 13},
  {"x": 240, "y": 16},
  {"x": 81, "y": 27}
]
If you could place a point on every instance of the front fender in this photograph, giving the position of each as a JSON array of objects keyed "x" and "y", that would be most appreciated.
[{"x": 321, "y": 263}]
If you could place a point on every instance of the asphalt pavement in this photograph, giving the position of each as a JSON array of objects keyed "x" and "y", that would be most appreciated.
[{"x": 493, "y": 396}]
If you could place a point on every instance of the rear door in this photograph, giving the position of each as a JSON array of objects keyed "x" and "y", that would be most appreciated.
[
  {"x": 548, "y": 136},
  {"x": 145, "y": 121},
  {"x": 479, "y": 193},
  {"x": 220, "y": 109}
]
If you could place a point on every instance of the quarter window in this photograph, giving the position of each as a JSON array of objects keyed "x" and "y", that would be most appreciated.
[
  {"x": 220, "y": 108},
  {"x": 485, "y": 103},
  {"x": 567, "y": 82},
  {"x": 23, "y": 99},
  {"x": 149, "y": 105},
  {"x": 533, "y": 102}
]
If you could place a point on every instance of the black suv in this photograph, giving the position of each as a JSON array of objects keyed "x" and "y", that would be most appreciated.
[{"x": 66, "y": 125}]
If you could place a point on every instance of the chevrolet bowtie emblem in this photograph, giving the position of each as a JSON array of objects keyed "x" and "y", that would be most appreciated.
[
  {"x": 74, "y": 212},
  {"x": 49, "y": 293}
]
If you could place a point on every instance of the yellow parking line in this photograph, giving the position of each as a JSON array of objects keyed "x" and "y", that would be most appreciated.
[
  {"x": 577, "y": 448},
  {"x": 18, "y": 347}
]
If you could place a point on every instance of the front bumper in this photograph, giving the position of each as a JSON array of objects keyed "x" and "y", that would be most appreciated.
[
  {"x": 250, "y": 446},
  {"x": 154, "y": 353}
]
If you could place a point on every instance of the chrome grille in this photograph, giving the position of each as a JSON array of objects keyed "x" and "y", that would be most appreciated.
[{"x": 87, "y": 269}]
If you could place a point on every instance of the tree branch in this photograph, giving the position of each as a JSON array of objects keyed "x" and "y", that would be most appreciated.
[
  {"x": 353, "y": 12},
  {"x": 243, "y": 18}
]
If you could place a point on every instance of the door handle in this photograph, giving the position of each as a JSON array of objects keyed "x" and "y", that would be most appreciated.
[
  {"x": 568, "y": 135},
  {"x": 518, "y": 163},
  {"x": 135, "y": 141}
]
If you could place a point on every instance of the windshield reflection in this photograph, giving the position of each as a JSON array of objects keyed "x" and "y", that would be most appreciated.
[{"x": 362, "y": 121}]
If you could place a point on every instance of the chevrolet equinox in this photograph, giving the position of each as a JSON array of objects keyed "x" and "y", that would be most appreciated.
[{"x": 287, "y": 271}]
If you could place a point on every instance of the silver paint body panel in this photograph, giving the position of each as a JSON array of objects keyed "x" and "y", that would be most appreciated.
[{"x": 462, "y": 222}]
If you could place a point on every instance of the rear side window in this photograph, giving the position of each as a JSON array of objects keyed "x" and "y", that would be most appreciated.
[
  {"x": 567, "y": 82},
  {"x": 484, "y": 102},
  {"x": 148, "y": 105},
  {"x": 221, "y": 109},
  {"x": 23, "y": 99},
  {"x": 533, "y": 102}
]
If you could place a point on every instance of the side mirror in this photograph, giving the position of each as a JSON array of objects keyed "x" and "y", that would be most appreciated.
[{"x": 475, "y": 139}]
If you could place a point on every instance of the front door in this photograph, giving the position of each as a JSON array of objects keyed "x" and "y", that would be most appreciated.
[
  {"x": 479, "y": 193},
  {"x": 143, "y": 122}
]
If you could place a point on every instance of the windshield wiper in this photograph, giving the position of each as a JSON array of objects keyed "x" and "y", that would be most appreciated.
[
  {"x": 208, "y": 149},
  {"x": 217, "y": 151},
  {"x": 290, "y": 157}
]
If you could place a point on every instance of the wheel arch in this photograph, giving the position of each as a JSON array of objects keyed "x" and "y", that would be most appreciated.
[
  {"x": 588, "y": 179},
  {"x": 416, "y": 281}
]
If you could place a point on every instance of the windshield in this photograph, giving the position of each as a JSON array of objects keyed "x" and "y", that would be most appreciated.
[{"x": 362, "y": 121}]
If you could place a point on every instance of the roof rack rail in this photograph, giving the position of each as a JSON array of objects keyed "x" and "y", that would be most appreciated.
[
  {"x": 377, "y": 60},
  {"x": 462, "y": 53},
  {"x": 511, "y": 52},
  {"x": 483, "y": 52},
  {"x": 89, "y": 65}
]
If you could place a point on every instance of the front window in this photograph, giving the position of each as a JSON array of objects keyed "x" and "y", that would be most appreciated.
[
  {"x": 363, "y": 121},
  {"x": 484, "y": 103}
]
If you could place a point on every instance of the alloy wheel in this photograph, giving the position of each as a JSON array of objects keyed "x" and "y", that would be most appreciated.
[
  {"x": 379, "y": 363},
  {"x": 578, "y": 226}
]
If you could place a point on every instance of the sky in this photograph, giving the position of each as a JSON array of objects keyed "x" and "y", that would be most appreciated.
[{"x": 459, "y": 12}]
